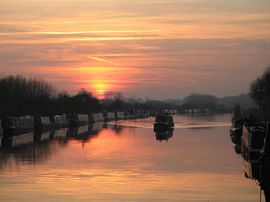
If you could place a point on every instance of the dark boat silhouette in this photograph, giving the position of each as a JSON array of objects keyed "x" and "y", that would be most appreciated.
[
  {"x": 236, "y": 131},
  {"x": 252, "y": 142},
  {"x": 18, "y": 125},
  {"x": 164, "y": 135},
  {"x": 163, "y": 122}
]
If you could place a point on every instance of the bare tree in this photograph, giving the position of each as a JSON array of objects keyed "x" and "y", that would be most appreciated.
[{"x": 260, "y": 92}]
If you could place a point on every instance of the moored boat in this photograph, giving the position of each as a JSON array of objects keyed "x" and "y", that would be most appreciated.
[
  {"x": 1, "y": 129},
  {"x": 109, "y": 116},
  {"x": 78, "y": 119},
  {"x": 59, "y": 121},
  {"x": 236, "y": 131},
  {"x": 252, "y": 141},
  {"x": 119, "y": 115},
  {"x": 42, "y": 123},
  {"x": 96, "y": 117},
  {"x": 16, "y": 125}
]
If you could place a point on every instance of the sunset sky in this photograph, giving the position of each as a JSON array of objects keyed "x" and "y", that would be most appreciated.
[{"x": 143, "y": 48}]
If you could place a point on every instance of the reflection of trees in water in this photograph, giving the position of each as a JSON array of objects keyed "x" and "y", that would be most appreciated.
[
  {"x": 115, "y": 127},
  {"x": 85, "y": 133},
  {"x": 4, "y": 160},
  {"x": 28, "y": 148},
  {"x": 118, "y": 129},
  {"x": 30, "y": 154},
  {"x": 33, "y": 148}
]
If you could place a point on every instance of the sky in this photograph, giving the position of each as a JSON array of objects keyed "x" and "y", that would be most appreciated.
[{"x": 145, "y": 48}]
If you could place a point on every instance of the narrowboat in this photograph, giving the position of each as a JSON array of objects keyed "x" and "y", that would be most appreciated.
[
  {"x": 1, "y": 129},
  {"x": 109, "y": 116},
  {"x": 163, "y": 122},
  {"x": 42, "y": 123},
  {"x": 236, "y": 131},
  {"x": 17, "y": 125},
  {"x": 78, "y": 120},
  {"x": 120, "y": 115},
  {"x": 96, "y": 117},
  {"x": 252, "y": 141},
  {"x": 59, "y": 121}
]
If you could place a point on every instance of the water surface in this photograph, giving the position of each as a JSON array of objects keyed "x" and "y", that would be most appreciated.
[{"x": 127, "y": 161}]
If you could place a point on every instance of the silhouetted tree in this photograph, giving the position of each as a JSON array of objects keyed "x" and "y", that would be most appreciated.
[
  {"x": 23, "y": 96},
  {"x": 237, "y": 111},
  {"x": 200, "y": 101},
  {"x": 260, "y": 92},
  {"x": 62, "y": 103},
  {"x": 84, "y": 102},
  {"x": 117, "y": 104}
]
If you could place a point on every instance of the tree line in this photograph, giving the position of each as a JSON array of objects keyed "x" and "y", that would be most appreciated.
[
  {"x": 259, "y": 91},
  {"x": 33, "y": 96},
  {"x": 22, "y": 96}
]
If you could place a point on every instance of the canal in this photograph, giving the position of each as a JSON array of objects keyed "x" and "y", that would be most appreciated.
[{"x": 127, "y": 161}]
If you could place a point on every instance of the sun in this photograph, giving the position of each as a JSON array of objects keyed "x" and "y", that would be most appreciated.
[{"x": 100, "y": 88}]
